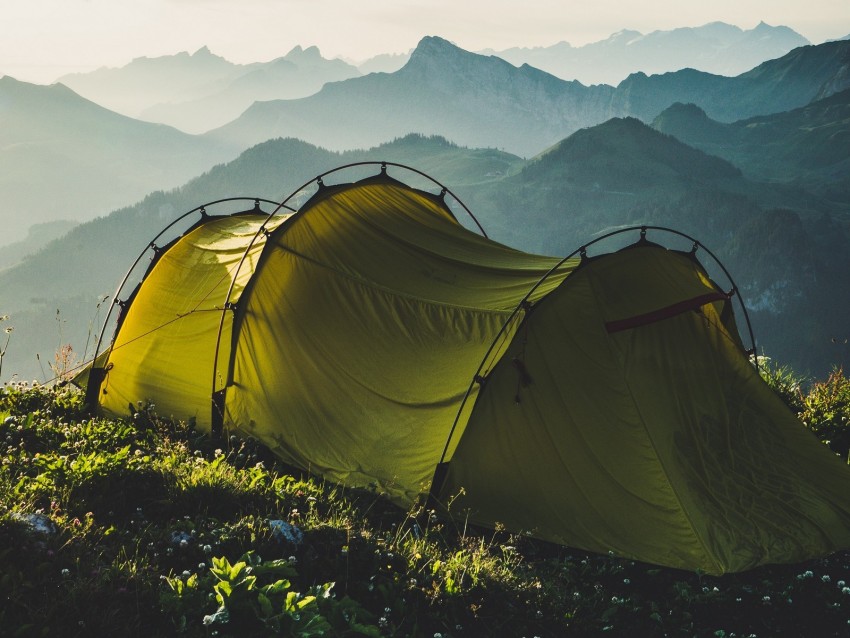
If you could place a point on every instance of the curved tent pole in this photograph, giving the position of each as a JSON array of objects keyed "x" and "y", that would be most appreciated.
[
  {"x": 152, "y": 246},
  {"x": 582, "y": 251},
  {"x": 217, "y": 421}
]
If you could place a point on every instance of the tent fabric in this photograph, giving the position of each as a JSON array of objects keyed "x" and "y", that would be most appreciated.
[
  {"x": 604, "y": 403},
  {"x": 372, "y": 311},
  {"x": 661, "y": 440},
  {"x": 164, "y": 350}
]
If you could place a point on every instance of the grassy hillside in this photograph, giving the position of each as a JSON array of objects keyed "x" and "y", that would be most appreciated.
[{"x": 145, "y": 527}]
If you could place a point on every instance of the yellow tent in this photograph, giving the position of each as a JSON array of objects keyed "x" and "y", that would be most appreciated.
[{"x": 604, "y": 403}]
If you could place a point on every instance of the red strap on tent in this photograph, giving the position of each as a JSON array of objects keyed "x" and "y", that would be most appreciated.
[{"x": 664, "y": 313}]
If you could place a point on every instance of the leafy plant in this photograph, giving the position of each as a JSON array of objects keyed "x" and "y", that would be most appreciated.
[
  {"x": 826, "y": 411},
  {"x": 257, "y": 598}
]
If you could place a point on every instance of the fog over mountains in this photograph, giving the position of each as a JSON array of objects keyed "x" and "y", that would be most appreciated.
[
  {"x": 65, "y": 157},
  {"x": 201, "y": 91},
  {"x": 756, "y": 165},
  {"x": 55, "y": 141}
]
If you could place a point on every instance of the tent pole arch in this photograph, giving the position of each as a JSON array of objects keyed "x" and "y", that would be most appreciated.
[
  {"x": 218, "y": 396},
  {"x": 98, "y": 374},
  {"x": 439, "y": 473}
]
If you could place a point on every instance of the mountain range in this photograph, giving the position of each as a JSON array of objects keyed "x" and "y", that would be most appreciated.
[
  {"x": 64, "y": 157},
  {"x": 478, "y": 100},
  {"x": 718, "y": 48},
  {"x": 167, "y": 88},
  {"x": 807, "y": 146},
  {"x": 756, "y": 166},
  {"x": 201, "y": 91},
  {"x": 54, "y": 141}
]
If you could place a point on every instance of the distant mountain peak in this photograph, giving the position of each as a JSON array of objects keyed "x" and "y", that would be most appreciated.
[
  {"x": 437, "y": 54},
  {"x": 434, "y": 54},
  {"x": 716, "y": 47},
  {"x": 689, "y": 108},
  {"x": 432, "y": 44},
  {"x": 625, "y": 34},
  {"x": 299, "y": 53},
  {"x": 202, "y": 52},
  {"x": 628, "y": 153}
]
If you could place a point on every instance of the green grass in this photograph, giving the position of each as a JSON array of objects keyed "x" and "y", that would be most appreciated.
[{"x": 149, "y": 528}]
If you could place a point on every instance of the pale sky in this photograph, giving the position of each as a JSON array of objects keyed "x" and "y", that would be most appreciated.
[{"x": 40, "y": 40}]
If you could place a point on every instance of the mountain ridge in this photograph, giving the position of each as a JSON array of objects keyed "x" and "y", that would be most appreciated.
[
  {"x": 480, "y": 100},
  {"x": 717, "y": 47},
  {"x": 809, "y": 146},
  {"x": 199, "y": 91},
  {"x": 55, "y": 143}
]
